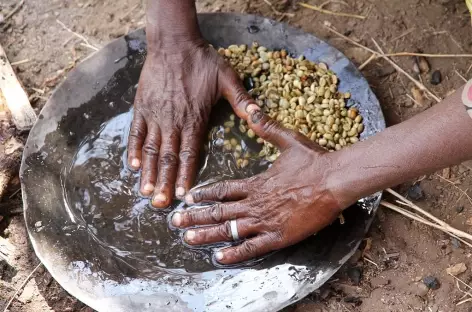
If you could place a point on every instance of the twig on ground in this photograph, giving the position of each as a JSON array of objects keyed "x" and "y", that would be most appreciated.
[
  {"x": 332, "y": 1},
  {"x": 277, "y": 12},
  {"x": 444, "y": 228},
  {"x": 459, "y": 74},
  {"x": 398, "y": 68},
  {"x": 85, "y": 41},
  {"x": 403, "y": 35},
  {"x": 19, "y": 62},
  {"x": 428, "y": 55},
  {"x": 468, "y": 69},
  {"x": 319, "y": 9},
  {"x": 16, "y": 9},
  {"x": 40, "y": 91},
  {"x": 415, "y": 101},
  {"x": 370, "y": 59},
  {"x": 21, "y": 287},
  {"x": 371, "y": 262},
  {"x": 456, "y": 187}
]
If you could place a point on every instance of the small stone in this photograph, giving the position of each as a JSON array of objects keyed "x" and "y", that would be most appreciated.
[
  {"x": 469, "y": 221},
  {"x": 38, "y": 224},
  {"x": 420, "y": 289},
  {"x": 436, "y": 78},
  {"x": 456, "y": 269},
  {"x": 415, "y": 192},
  {"x": 431, "y": 282},
  {"x": 455, "y": 242},
  {"x": 459, "y": 209},
  {"x": 423, "y": 64},
  {"x": 355, "y": 274}
]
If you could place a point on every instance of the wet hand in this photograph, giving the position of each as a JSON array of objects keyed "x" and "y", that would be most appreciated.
[
  {"x": 273, "y": 210},
  {"x": 176, "y": 91}
]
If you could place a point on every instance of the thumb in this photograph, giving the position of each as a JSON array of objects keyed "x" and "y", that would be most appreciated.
[
  {"x": 246, "y": 107},
  {"x": 233, "y": 90}
]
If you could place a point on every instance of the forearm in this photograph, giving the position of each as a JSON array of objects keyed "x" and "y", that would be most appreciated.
[
  {"x": 171, "y": 22},
  {"x": 435, "y": 139}
]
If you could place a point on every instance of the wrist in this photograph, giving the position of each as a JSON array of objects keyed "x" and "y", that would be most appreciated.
[
  {"x": 343, "y": 180},
  {"x": 171, "y": 24}
]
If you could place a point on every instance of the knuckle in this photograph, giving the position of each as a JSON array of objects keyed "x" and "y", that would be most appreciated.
[
  {"x": 216, "y": 213},
  {"x": 242, "y": 98},
  {"x": 225, "y": 230},
  {"x": 168, "y": 159},
  {"x": 150, "y": 148},
  {"x": 248, "y": 248},
  {"x": 188, "y": 155},
  {"x": 221, "y": 190}
]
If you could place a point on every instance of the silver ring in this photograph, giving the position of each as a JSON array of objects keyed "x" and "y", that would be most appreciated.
[{"x": 234, "y": 230}]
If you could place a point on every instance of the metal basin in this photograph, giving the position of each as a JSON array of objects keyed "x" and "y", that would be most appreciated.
[{"x": 104, "y": 244}]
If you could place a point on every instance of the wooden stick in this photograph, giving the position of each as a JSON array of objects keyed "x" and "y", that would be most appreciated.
[
  {"x": 446, "y": 229},
  {"x": 428, "y": 55},
  {"x": 20, "y": 62},
  {"x": 316, "y": 8},
  {"x": 456, "y": 187},
  {"x": 398, "y": 68},
  {"x": 85, "y": 41},
  {"x": 277, "y": 12},
  {"x": 370, "y": 59},
  {"x": 404, "y": 34},
  {"x": 459, "y": 74},
  {"x": 351, "y": 41},
  {"x": 18, "y": 7},
  {"x": 21, "y": 287},
  {"x": 22, "y": 113}
]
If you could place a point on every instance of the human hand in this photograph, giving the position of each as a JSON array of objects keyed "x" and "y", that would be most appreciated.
[
  {"x": 273, "y": 210},
  {"x": 176, "y": 92}
]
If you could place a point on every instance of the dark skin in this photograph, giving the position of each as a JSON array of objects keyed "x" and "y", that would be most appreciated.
[{"x": 277, "y": 208}]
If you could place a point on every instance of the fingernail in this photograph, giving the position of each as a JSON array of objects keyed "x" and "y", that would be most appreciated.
[
  {"x": 190, "y": 235},
  {"x": 251, "y": 108},
  {"x": 148, "y": 188},
  {"x": 160, "y": 198},
  {"x": 219, "y": 256},
  {"x": 180, "y": 192},
  {"x": 135, "y": 163},
  {"x": 189, "y": 199},
  {"x": 177, "y": 219}
]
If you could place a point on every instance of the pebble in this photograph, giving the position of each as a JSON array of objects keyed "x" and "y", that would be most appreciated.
[
  {"x": 415, "y": 192},
  {"x": 431, "y": 282},
  {"x": 423, "y": 64},
  {"x": 436, "y": 77},
  {"x": 420, "y": 289},
  {"x": 455, "y": 242},
  {"x": 355, "y": 274},
  {"x": 456, "y": 269}
]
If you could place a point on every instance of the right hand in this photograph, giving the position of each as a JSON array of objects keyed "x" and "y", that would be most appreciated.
[{"x": 275, "y": 209}]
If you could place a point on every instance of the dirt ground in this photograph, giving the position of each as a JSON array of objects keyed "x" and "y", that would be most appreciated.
[{"x": 398, "y": 253}]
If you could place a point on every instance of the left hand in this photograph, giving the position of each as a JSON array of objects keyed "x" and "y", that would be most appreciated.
[{"x": 273, "y": 210}]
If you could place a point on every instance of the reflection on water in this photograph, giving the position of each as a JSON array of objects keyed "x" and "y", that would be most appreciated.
[{"x": 102, "y": 195}]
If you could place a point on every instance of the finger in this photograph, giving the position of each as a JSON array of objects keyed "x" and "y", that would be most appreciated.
[
  {"x": 167, "y": 172},
  {"x": 272, "y": 131},
  {"x": 234, "y": 91},
  {"x": 137, "y": 135},
  {"x": 150, "y": 155},
  {"x": 249, "y": 249},
  {"x": 246, "y": 108},
  {"x": 188, "y": 159},
  {"x": 220, "y": 191},
  {"x": 220, "y": 233},
  {"x": 214, "y": 214}
]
